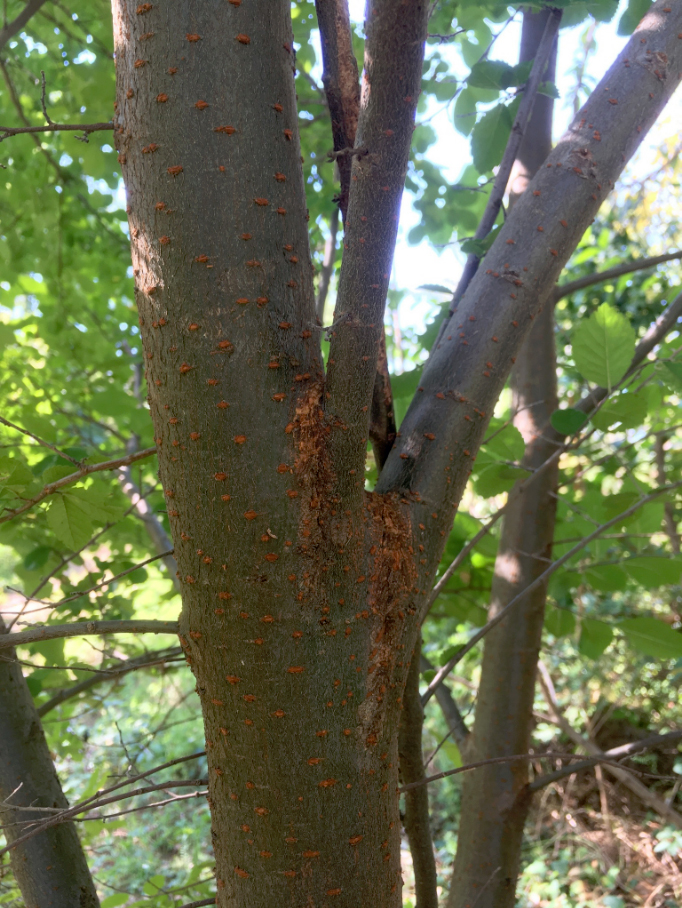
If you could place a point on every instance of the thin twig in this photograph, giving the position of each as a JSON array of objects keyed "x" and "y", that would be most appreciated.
[
  {"x": 606, "y": 758},
  {"x": 41, "y": 441},
  {"x": 7, "y": 132},
  {"x": 540, "y": 579},
  {"x": 88, "y": 629},
  {"x": 517, "y": 132},
  {"x": 588, "y": 280},
  {"x": 15, "y": 26},
  {"x": 84, "y": 470}
]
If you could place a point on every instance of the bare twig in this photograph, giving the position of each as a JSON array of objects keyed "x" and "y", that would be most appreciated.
[
  {"x": 147, "y": 660},
  {"x": 588, "y": 280},
  {"x": 518, "y": 130},
  {"x": 540, "y": 579},
  {"x": 88, "y": 629},
  {"x": 7, "y": 132},
  {"x": 606, "y": 758},
  {"x": 41, "y": 441},
  {"x": 15, "y": 26},
  {"x": 83, "y": 471}
]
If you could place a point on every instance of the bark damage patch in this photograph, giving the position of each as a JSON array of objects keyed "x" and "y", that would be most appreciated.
[{"x": 391, "y": 585}]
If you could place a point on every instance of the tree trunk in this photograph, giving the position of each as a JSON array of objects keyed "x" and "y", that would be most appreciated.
[
  {"x": 494, "y": 808},
  {"x": 50, "y": 868},
  {"x": 295, "y": 599},
  {"x": 302, "y": 592}
]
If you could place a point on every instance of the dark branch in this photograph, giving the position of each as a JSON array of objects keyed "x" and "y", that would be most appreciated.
[
  {"x": 341, "y": 85},
  {"x": 563, "y": 290},
  {"x": 87, "y": 629},
  {"x": 616, "y": 753},
  {"x": 15, "y": 26},
  {"x": 85, "y": 470},
  {"x": 147, "y": 660},
  {"x": 539, "y": 580}
]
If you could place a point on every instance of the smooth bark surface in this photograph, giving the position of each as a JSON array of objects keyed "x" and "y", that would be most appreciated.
[
  {"x": 493, "y": 807},
  {"x": 417, "y": 817},
  {"x": 50, "y": 868}
]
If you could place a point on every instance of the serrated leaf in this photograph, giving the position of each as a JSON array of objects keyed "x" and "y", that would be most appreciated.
[
  {"x": 489, "y": 138},
  {"x": 559, "y": 622},
  {"x": 595, "y": 636},
  {"x": 603, "y": 346},
  {"x": 606, "y": 577},
  {"x": 568, "y": 421},
  {"x": 673, "y": 375},
  {"x": 625, "y": 410},
  {"x": 68, "y": 521},
  {"x": 652, "y": 572},
  {"x": 652, "y": 637},
  {"x": 602, "y": 10},
  {"x": 490, "y": 74}
]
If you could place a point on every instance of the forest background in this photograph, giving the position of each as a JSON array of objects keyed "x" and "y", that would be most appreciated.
[{"x": 71, "y": 378}]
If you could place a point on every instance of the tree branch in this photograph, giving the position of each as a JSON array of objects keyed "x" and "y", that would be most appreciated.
[
  {"x": 452, "y": 715},
  {"x": 416, "y": 823},
  {"x": 563, "y": 290},
  {"x": 7, "y": 132},
  {"x": 539, "y": 580},
  {"x": 518, "y": 130},
  {"x": 342, "y": 89},
  {"x": 15, "y": 26},
  {"x": 466, "y": 371},
  {"x": 147, "y": 660},
  {"x": 41, "y": 441},
  {"x": 85, "y": 470},
  {"x": 394, "y": 53},
  {"x": 650, "y": 798},
  {"x": 87, "y": 629},
  {"x": 340, "y": 78},
  {"x": 605, "y": 758}
]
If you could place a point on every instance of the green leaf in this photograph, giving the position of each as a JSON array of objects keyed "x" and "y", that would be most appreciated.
[
  {"x": 652, "y": 572},
  {"x": 673, "y": 375},
  {"x": 606, "y": 577},
  {"x": 603, "y": 346},
  {"x": 559, "y": 622},
  {"x": 632, "y": 16},
  {"x": 490, "y": 74},
  {"x": 489, "y": 138},
  {"x": 51, "y": 650},
  {"x": 435, "y": 288},
  {"x": 36, "y": 558},
  {"x": 602, "y": 10},
  {"x": 652, "y": 637},
  {"x": 568, "y": 421},
  {"x": 595, "y": 636},
  {"x": 549, "y": 89},
  {"x": 113, "y": 901},
  {"x": 68, "y": 522},
  {"x": 465, "y": 111},
  {"x": 625, "y": 410}
]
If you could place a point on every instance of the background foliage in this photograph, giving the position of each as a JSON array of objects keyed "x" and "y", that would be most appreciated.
[{"x": 70, "y": 373}]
